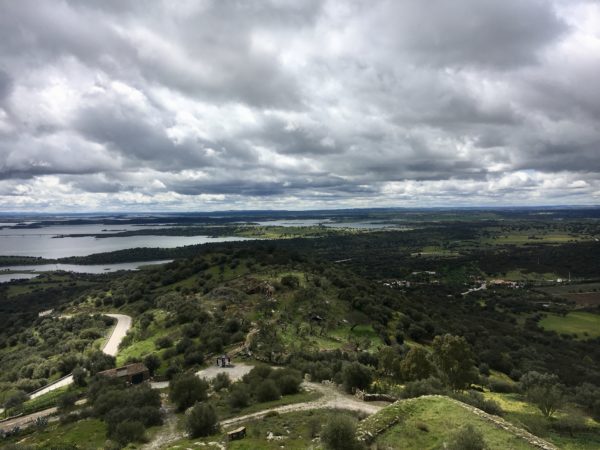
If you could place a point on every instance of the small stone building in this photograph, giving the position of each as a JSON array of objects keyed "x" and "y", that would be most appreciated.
[
  {"x": 132, "y": 373},
  {"x": 223, "y": 361},
  {"x": 238, "y": 433}
]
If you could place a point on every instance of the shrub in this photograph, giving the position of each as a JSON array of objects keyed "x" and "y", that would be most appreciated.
[
  {"x": 503, "y": 387},
  {"x": 290, "y": 281},
  {"x": 187, "y": 389},
  {"x": 66, "y": 400},
  {"x": 16, "y": 400},
  {"x": 571, "y": 423},
  {"x": 288, "y": 381},
  {"x": 238, "y": 397},
  {"x": 163, "y": 342},
  {"x": 221, "y": 381},
  {"x": 356, "y": 376},
  {"x": 152, "y": 362},
  {"x": 267, "y": 391},
  {"x": 339, "y": 433},
  {"x": 129, "y": 431},
  {"x": 202, "y": 421},
  {"x": 289, "y": 384},
  {"x": 467, "y": 438},
  {"x": 427, "y": 386},
  {"x": 79, "y": 374},
  {"x": 477, "y": 400}
]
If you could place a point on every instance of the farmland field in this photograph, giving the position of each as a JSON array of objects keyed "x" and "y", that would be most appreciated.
[{"x": 584, "y": 325}]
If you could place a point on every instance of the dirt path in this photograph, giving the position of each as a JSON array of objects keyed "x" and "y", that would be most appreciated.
[
  {"x": 331, "y": 398},
  {"x": 167, "y": 434}
]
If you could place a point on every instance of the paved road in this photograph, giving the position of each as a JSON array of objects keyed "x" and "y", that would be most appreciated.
[
  {"x": 110, "y": 348},
  {"x": 123, "y": 325},
  {"x": 24, "y": 421}
]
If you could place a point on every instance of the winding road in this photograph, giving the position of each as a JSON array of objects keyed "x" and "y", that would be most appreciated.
[{"x": 110, "y": 348}]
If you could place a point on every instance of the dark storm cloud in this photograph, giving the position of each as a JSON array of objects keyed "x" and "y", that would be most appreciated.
[{"x": 233, "y": 103}]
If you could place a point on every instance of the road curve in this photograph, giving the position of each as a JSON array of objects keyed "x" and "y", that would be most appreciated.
[
  {"x": 110, "y": 348},
  {"x": 119, "y": 331}
]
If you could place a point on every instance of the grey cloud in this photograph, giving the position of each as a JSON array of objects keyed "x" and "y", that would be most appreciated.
[
  {"x": 484, "y": 33},
  {"x": 316, "y": 101},
  {"x": 6, "y": 86}
]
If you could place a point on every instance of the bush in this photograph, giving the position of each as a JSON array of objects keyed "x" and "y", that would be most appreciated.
[
  {"x": 129, "y": 431},
  {"x": 467, "y": 438},
  {"x": 163, "y": 342},
  {"x": 238, "y": 397},
  {"x": 427, "y": 386},
  {"x": 16, "y": 400},
  {"x": 152, "y": 362},
  {"x": 221, "y": 381},
  {"x": 267, "y": 391},
  {"x": 339, "y": 433},
  {"x": 503, "y": 387},
  {"x": 288, "y": 381},
  {"x": 187, "y": 389},
  {"x": 477, "y": 400},
  {"x": 290, "y": 281},
  {"x": 289, "y": 384},
  {"x": 202, "y": 421},
  {"x": 66, "y": 400},
  {"x": 79, "y": 374},
  {"x": 356, "y": 376},
  {"x": 573, "y": 422}
]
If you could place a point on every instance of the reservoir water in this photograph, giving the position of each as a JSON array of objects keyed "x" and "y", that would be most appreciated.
[{"x": 43, "y": 242}]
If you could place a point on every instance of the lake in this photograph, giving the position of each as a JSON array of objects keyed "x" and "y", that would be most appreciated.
[{"x": 41, "y": 242}]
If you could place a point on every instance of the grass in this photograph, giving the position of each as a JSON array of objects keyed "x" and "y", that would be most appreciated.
[
  {"x": 225, "y": 412},
  {"x": 428, "y": 423},
  {"x": 526, "y": 415},
  {"x": 360, "y": 333},
  {"x": 583, "y": 324},
  {"x": 86, "y": 434},
  {"x": 47, "y": 400},
  {"x": 292, "y": 431}
]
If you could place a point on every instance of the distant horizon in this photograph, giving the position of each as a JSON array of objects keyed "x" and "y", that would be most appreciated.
[{"x": 291, "y": 211}]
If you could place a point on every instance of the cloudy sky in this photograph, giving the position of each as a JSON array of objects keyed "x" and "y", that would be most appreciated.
[{"x": 288, "y": 104}]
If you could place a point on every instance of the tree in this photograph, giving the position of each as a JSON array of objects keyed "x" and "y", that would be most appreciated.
[
  {"x": 416, "y": 365},
  {"x": 339, "y": 433},
  {"x": 79, "y": 374},
  {"x": 16, "y": 400},
  {"x": 267, "y": 391},
  {"x": 544, "y": 391},
  {"x": 66, "y": 400},
  {"x": 238, "y": 397},
  {"x": 202, "y": 420},
  {"x": 356, "y": 376},
  {"x": 99, "y": 361},
  {"x": 187, "y": 389},
  {"x": 389, "y": 362},
  {"x": 221, "y": 381},
  {"x": 467, "y": 438},
  {"x": 454, "y": 359},
  {"x": 152, "y": 362},
  {"x": 129, "y": 431}
]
